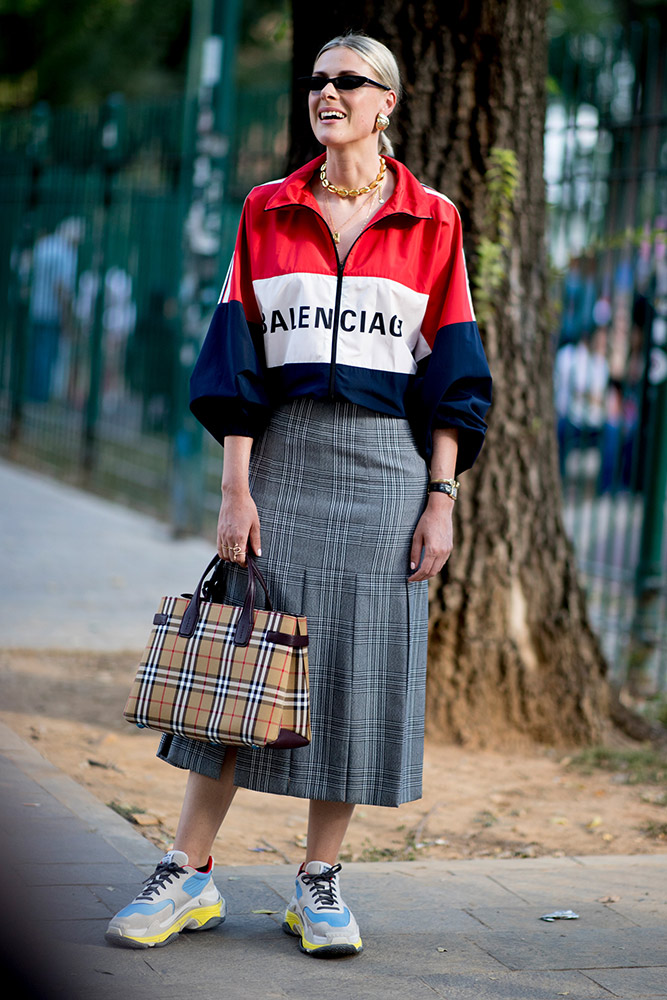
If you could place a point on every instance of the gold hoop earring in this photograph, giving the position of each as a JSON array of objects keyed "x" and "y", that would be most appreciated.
[{"x": 381, "y": 122}]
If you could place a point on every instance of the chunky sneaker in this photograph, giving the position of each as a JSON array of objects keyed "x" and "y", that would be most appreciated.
[
  {"x": 318, "y": 915},
  {"x": 177, "y": 898}
]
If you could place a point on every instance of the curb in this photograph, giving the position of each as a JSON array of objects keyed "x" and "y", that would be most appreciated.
[{"x": 100, "y": 819}]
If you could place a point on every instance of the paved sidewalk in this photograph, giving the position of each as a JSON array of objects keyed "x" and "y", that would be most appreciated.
[
  {"x": 460, "y": 930},
  {"x": 79, "y": 572}
]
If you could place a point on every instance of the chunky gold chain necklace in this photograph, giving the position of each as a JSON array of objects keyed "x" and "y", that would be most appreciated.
[{"x": 352, "y": 192}]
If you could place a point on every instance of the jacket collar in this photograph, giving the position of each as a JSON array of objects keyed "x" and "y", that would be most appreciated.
[{"x": 409, "y": 197}]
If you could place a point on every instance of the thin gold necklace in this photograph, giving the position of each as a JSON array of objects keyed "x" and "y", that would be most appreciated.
[{"x": 336, "y": 232}]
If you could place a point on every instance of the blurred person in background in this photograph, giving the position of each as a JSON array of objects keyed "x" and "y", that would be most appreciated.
[
  {"x": 52, "y": 298},
  {"x": 581, "y": 384}
]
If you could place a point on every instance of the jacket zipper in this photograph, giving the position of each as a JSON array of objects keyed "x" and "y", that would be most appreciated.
[
  {"x": 334, "y": 332},
  {"x": 340, "y": 269},
  {"x": 336, "y": 315}
]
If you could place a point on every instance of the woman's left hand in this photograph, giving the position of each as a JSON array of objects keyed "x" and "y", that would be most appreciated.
[{"x": 433, "y": 539}]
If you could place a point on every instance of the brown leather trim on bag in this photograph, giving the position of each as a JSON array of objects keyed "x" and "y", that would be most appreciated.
[
  {"x": 283, "y": 639},
  {"x": 288, "y": 740}
]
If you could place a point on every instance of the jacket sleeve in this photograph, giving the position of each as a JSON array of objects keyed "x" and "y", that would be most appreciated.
[
  {"x": 227, "y": 386},
  {"x": 452, "y": 387}
]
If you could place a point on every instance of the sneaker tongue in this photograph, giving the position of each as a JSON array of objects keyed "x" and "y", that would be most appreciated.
[
  {"x": 316, "y": 867},
  {"x": 179, "y": 858}
]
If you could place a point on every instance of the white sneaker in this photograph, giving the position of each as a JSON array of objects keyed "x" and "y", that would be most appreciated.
[
  {"x": 177, "y": 898},
  {"x": 318, "y": 915}
]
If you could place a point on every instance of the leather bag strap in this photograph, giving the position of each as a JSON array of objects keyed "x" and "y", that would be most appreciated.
[{"x": 246, "y": 620}]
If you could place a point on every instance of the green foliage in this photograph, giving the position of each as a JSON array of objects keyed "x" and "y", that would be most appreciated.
[
  {"x": 657, "y": 831},
  {"x": 644, "y": 766},
  {"x": 265, "y": 50},
  {"x": 624, "y": 240},
  {"x": 501, "y": 180},
  {"x": 655, "y": 709},
  {"x": 582, "y": 16},
  {"x": 125, "y": 810},
  {"x": 81, "y": 51}
]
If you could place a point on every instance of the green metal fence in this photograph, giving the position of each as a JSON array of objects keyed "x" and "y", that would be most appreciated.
[
  {"x": 93, "y": 357},
  {"x": 93, "y": 386},
  {"x": 606, "y": 172}
]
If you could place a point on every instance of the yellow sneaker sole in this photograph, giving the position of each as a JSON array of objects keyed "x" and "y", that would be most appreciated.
[
  {"x": 202, "y": 918},
  {"x": 292, "y": 925}
]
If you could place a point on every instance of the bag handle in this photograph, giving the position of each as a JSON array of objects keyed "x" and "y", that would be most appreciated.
[{"x": 246, "y": 620}]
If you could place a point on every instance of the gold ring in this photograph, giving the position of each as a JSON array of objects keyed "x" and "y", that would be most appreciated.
[{"x": 237, "y": 549}]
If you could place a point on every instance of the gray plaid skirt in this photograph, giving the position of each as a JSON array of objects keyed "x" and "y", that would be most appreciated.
[{"x": 339, "y": 490}]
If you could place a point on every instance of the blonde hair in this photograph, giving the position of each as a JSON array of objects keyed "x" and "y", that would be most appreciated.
[{"x": 382, "y": 62}]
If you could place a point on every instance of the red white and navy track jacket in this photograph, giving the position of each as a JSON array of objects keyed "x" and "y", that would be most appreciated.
[{"x": 392, "y": 328}]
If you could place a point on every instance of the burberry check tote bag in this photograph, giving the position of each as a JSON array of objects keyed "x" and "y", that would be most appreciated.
[{"x": 222, "y": 673}]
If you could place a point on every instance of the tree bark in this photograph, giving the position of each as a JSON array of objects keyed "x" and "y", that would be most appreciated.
[{"x": 511, "y": 650}]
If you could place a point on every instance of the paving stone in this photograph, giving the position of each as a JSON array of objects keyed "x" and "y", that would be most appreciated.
[
  {"x": 357, "y": 983},
  {"x": 117, "y": 874},
  {"x": 478, "y": 890},
  {"x": 17, "y": 811},
  {"x": 560, "y": 946},
  {"x": 631, "y": 984},
  {"x": 51, "y": 841},
  {"x": 621, "y": 861},
  {"x": 279, "y": 878},
  {"x": 246, "y": 895},
  {"x": 81, "y": 932},
  {"x": 648, "y": 911},
  {"x": 515, "y": 986},
  {"x": 522, "y": 918},
  {"x": 558, "y": 891},
  {"x": 105, "y": 603},
  {"x": 118, "y": 964},
  {"x": 65, "y": 902},
  {"x": 461, "y": 951},
  {"x": 442, "y": 891},
  {"x": 416, "y": 921}
]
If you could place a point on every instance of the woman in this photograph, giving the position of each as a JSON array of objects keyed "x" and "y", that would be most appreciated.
[{"x": 342, "y": 368}]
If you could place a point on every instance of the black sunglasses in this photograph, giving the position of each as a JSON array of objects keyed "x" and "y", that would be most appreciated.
[{"x": 346, "y": 82}]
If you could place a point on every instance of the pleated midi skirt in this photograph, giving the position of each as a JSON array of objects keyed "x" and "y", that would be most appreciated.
[{"x": 339, "y": 490}]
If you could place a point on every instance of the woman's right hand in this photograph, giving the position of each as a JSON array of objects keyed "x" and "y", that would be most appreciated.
[{"x": 238, "y": 525}]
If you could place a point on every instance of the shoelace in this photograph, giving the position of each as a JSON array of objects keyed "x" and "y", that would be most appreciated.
[
  {"x": 161, "y": 875},
  {"x": 323, "y": 887}
]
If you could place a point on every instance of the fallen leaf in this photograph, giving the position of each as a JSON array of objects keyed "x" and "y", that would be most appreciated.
[
  {"x": 559, "y": 820},
  {"x": 144, "y": 819},
  {"x": 265, "y": 911},
  {"x": 607, "y": 836},
  {"x": 609, "y": 899},
  {"x": 593, "y": 823},
  {"x": 442, "y": 949},
  {"x": 100, "y": 763}
]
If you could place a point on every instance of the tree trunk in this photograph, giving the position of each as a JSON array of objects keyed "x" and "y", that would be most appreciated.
[{"x": 511, "y": 651}]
